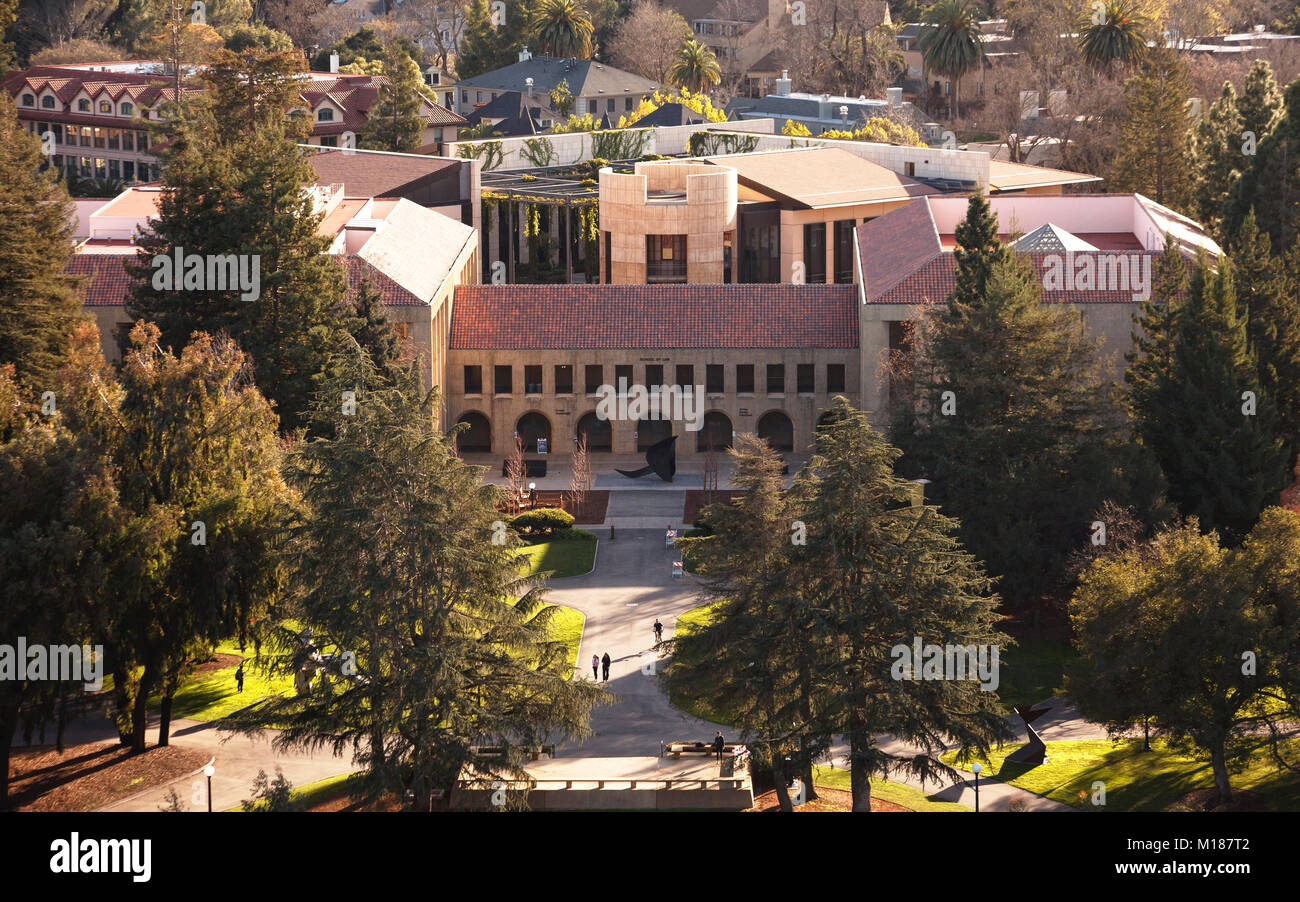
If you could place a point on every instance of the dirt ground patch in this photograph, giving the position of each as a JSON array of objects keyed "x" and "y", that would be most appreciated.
[
  {"x": 1204, "y": 800},
  {"x": 218, "y": 662},
  {"x": 695, "y": 502},
  {"x": 828, "y": 800},
  {"x": 90, "y": 776}
]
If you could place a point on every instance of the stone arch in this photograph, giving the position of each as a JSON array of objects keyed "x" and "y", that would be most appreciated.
[
  {"x": 650, "y": 431},
  {"x": 777, "y": 429},
  {"x": 600, "y": 434},
  {"x": 532, "y": 426},
  {"x": 478, "y": 437},
  {"x": 715, "y": 434}
]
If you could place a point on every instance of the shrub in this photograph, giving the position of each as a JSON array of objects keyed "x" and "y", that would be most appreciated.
[
  {"x": 541, "y": 521},
  {"x": 573, "y": 535}
]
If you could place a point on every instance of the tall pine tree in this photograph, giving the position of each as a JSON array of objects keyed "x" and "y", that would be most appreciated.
[
  {"x": 394, "y": 122},
  {"x": 1218, "y": 155},
  {"x": 39, "y": 301},
  {"x": 1218, "y": 447},
  {"x": 1270, "y": 184},
  {"x": 1155, "y": 151},
  {"x": 240, "y": 190}
]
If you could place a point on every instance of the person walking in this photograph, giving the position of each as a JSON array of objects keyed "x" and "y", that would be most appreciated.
[
  {"x": 604, "y": 663},
  {"x": 595, "y": 667},
  {"x": 659, "y": 631},
  {"x": 239, "y": 677},
  {"x": 718, "y": 744}
]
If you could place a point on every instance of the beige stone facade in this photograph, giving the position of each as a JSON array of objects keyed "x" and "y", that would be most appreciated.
[
  {"x": 695, "y": 200},
  {"x": 757, "y": 411}
]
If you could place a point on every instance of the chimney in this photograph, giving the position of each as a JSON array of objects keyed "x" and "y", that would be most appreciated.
[
  {"x": 783, "y": 83},
  {"x": 894, "y": 96},
  {"x": 524, "y": 55},
  {"x": 334, "y": 62}
]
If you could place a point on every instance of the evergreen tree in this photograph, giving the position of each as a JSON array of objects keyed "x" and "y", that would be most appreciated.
[
  {"x": 755, "y": 659},
  {"x": 195, "y": 461},
  {"x": 39, "y": 302},
  {"x": 1261, "y": 101},
  {"x": 1219, "y": 451},
  {"x": 978, "y": 250},
  {"x": 1153, "y": 342},
  {"x": 435, "y": 644},
  {"x": 372, "y": 328},
  {"x": 1161, "y": 630},
  {"x": 1270, "y": 184},
  {"x": 394, "y": 122},
  {"x": 486, "y": 45},
  {"x": 1155, "y": 152},
  {"x": 882, "y": 572},
  {"x": 1018, "y": 427},
  {"x": 239, "y": 190},
  {"x": 1218, "y": 155},
  {"x": 8, "y": 16},
  {"x": 1268, "y": 299}
]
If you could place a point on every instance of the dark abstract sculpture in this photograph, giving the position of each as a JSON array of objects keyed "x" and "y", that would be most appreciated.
[
  {"x": 1035, "y": 750},
  {"x": 662, "y": 460}
]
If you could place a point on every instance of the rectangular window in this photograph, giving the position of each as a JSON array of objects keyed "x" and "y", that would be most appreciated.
[
  {"x": 622, "y": 377},
  {"x": 114, "y": 138},
  {"x": 100, "y": 138},
  {"x": 805, "y": 379},
  {"x": 86, "y": 139},
  {"x": 329, "y": 141},
  {"x": 814, "y": 252},
  {"x": 605, "y": 274},
  {"x": 776, "y": 379},
  {"x": 654, "y": 375},
  {"x": 713, "y": 379},
  {"x": 665, "y": 259},
  {"x": 532, "y": 380},
  {"x": 760, "y": 246},
  {"x": 627, "y": 103},
  {"x": 564, "y": 380},
  {"x": 728, "y": 239},
  {"x": 844, "y": 251},
  {"x": 595, "y": 377},
  {"x": 128, "y": 140},
  {"x": 473, "y": 380},
  {"x": 745, "y": 378},
  {"x": 142, "y": 141},
  {"x": 114, "y": 170},
  {"x": 503, "y": 380},
  {"x": 834, "y": 377},
  {"x": 685, "y": 374},
  {"x": 128, "y": 170},
  {"x": 591, "y": 107},
  {"x": 70, "y": 135}
]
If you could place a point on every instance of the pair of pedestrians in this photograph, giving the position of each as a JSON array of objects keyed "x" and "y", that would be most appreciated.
[{"x": 599, "y": 664}]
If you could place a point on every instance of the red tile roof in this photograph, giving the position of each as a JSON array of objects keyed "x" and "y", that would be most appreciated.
[
  {"x": 535, "y": 317},
  {"x": 109, "y": 284}
]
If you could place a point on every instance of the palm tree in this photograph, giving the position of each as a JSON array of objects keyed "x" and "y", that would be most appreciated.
[
  {"x": 695, "y": 68},
  {"x": 1113, "y": 33},
  {"x": 951, "y": 44},
  {"x": 562, "y": 28}
]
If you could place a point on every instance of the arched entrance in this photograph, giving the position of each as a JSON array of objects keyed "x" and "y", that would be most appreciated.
[
  {"x": 777, "y": 429},
  {"x": 600, "y": 436},
  {"x": 478, "y": 437},
  {"x": 715, "y": 435},
  {"x": 530, "y": 428},
  {"x": 650, "y": 431}
]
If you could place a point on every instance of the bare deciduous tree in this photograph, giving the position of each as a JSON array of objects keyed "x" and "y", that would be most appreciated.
[{"x": 647, "y": 39}]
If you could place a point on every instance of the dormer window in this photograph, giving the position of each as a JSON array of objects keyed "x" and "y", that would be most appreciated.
[
  {"x": 106, "y": 106},
  {"x": 324, "y": 115},
  {"x": 126, "y": 109},
  {"x": 83, "y": 106},
  {"x": 29, "y": 100},
  {"x": 48, "y": 101}
]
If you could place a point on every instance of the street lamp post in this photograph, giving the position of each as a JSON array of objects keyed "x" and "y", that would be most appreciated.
[
  {"x": 977, "y": 768},
  {"x": 208, "y": 771}
]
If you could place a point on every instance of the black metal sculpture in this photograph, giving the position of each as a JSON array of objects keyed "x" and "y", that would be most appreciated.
[
  {"x": 1035, "y": 750},
  {"x": 662, "y": 460}
]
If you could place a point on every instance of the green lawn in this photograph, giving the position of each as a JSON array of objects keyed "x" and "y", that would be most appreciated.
[
  {"x": 566, "y": 557},
  {"x": 898, "y": 793},
  {"x": 1032, "y": 670},
  {"x": 688, "y": 622},
  {"x": 1135, "y": 780},
  {"x": 315, "y": 793}
]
